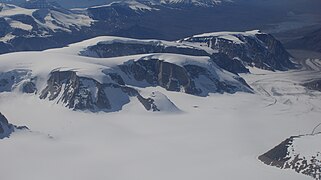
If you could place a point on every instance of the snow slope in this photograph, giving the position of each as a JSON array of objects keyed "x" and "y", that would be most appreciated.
[
  {"x": 231, "y": 36},
  {"x": 218, "y": 137}
]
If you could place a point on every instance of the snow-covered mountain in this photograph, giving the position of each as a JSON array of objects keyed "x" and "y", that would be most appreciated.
[
  {"x": 53, "y": 26},
  {"x": 86, "y": 3},
  {"x": 42, "y": 24},
  {"x": 88, "y": 74},
  {"x": 192, "y": 137},
  {"x": 41, "y": 19},
  {"x": 252, "y": 48},
  {"x": 39, "y": 27},
  {"x": 232, "y": 51},
  {"x": 130, "y": 4},
  {"x": 107, "y": 84},
  {"x": 200, "y": 3}
]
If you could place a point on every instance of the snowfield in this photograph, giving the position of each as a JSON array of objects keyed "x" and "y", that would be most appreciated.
[
  {"x": 215, "y": 137},
  {"x": 231, "y": 36}
]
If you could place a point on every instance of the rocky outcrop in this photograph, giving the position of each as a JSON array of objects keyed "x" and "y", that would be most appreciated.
[
  {"x": 299, "y": 153},
  {"x": 234, "y": 65},
  {"x": 82, "y": 93},
  {"x": 157, "y": 101},
  {"x": 313, "y": 85},
  {"x": 148, "y": 103},
  {"x": 116, "y": 49},
  {"x": 231, "y": 51},
  {"x": 190, "y": 79},
  {"x": 252, "y": 48},
  {"x": 121, "y": 82},
  {"x": 76, "y": 92},
  {"x": 6, "y": 129},
  {"x": 20, "y": 80}
]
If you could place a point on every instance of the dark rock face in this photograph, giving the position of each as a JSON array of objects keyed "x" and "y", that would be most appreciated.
[
  {"x": 285, "y": 156},
  {"x": 116, "y": 49},
  {"x": 84, "y": 93},
  {"x": 176, "y": 78},
  {"x": 29, "y": 87},
  {"x": 314, "y": 85},
  {"x": 75, "y": 92},
  {"x": 124, "y": 49},
  {"x": 5, "y": 127},
  {"x": 15, "y": 78},
  {"x": 259, "y": 50},
  {"x": 232, "y": 65},
  {"x": 81, "y": 93},
  {"x": 148, "y": 103}
]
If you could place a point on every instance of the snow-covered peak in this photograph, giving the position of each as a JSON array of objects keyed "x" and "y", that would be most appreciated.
[
  {"x": 202, "y": 3},
  {"x": 223, "y": 33},
  {"x": 231, "y": 36},
  {"x": 40, "y": 20},
  {"x": 103, "y": 80},
  {"x": 132, "y": 4}
]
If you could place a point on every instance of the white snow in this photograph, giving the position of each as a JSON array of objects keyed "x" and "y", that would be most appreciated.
[
  {"x": 306, "y": 146},
  {"x": 20, "y": 25},
  {"x": 162, "y": 102},
  {"x": 7, "y": 38},
  {"x": 205, "y": 3},
  {"x": 134, "y": 5},
  {"x": 11, "y": 10},
  {"x": 231, "y": 36},
  {"x": 65, "y": 21}
]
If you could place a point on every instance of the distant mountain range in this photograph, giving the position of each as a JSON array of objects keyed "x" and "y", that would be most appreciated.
[
  {"x": 41, "y": 24},
  {"x": 86, "y": 3}
]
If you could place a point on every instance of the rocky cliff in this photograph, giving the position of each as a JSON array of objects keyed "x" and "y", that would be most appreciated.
[
  {"x": 252, "y": 48},
  {"x": 299, "y": 153}
]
